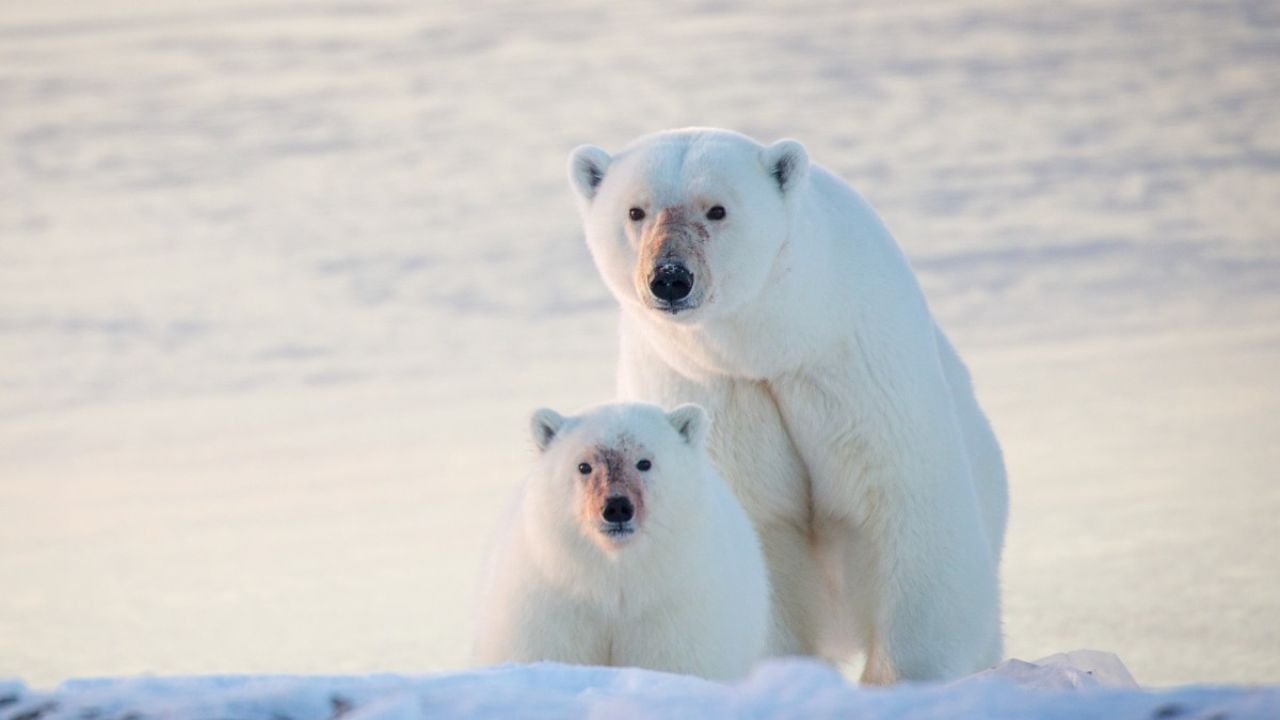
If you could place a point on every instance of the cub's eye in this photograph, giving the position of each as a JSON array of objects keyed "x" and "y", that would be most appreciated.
[
  {"x": 716, "y": 213},
  {"x": 644, "y": 465},
  {"x": 636, "y": 214},
  {"x": 584, "y": 468}
]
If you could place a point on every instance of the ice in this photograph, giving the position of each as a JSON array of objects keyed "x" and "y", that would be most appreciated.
[{"x": 1066, "y": 671}]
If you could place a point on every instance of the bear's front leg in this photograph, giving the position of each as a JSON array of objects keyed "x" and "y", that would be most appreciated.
[
  {"x": 527, "y": 621},
  {"x": 897, "y": 519},
  {"x": 934, "y": 610}
]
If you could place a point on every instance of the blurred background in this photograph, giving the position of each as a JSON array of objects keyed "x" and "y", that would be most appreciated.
[{"x": 281, "y": 281}]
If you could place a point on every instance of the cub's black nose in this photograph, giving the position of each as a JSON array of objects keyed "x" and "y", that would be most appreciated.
[
  {"x": 618, "y": 510},
  {"x": 671, "y": 282}
]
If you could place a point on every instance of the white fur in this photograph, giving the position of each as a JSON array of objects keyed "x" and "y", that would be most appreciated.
[
  {"x": 687, "y": 593},
  {"x": 846, "y": 423}
]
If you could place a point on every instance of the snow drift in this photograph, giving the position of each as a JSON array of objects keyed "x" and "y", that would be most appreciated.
[{"x": 1078, "y": 685}]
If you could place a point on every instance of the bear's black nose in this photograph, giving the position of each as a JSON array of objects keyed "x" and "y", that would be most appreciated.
[
  {"x": 618, "y": 509},
  {"x": 671, "y": 282}
]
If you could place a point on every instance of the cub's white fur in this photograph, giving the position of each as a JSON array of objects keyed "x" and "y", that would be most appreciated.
[
  {"x": 681, "y": 586},
  {"x": 845, "y": 421}
]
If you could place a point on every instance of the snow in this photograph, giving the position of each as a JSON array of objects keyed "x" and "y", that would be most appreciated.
[
  {"x": 280, "y": 282},
  {"x": 781, "y": 688}
]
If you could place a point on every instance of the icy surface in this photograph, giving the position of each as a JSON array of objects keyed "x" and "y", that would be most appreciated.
[
  {"x": 281, "y": 280},
  {"x": 791, "y": 688}
]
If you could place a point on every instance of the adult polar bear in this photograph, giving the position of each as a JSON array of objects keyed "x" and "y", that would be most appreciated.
[{"x": 765, "y": 289}]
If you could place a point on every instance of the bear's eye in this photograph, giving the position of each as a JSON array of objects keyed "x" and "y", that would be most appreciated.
[
  {"x": 644, "y": 465},
  {"x": 716, "y": 213},
  {"x": 584, "y": 468},
  {"x": 636, "y": 214}
]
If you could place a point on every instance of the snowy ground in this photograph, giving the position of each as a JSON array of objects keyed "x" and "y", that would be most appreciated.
[
  {"x": 1060, "y": 688},
  {"x": 279, "y": 283}
]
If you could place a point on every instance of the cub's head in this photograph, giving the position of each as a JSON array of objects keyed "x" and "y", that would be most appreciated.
[
  {"x": 687, "y": 224},
  {"x": 619, "y": 472}
]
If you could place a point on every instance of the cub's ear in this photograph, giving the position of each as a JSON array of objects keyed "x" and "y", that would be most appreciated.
[
  {"x": 545, "y": 424},
  {"x": 691, "y": 422},
  {"x": 787, "y": 163},
  {"x": 587, "y": 164}
]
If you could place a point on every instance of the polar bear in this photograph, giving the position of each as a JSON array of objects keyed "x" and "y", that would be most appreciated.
[
  {"x": 763, "y": 288},
  {"x": 625, "y": 547}
]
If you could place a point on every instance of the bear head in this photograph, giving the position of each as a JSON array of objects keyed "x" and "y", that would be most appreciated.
[
  {"x": 687, "y": 224},
  {"x": 619, "y": 473}
]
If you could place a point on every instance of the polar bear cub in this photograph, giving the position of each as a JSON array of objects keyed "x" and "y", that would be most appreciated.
[{"x": 626, "y": 548}]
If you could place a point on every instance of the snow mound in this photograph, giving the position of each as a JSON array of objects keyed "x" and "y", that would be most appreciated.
[{"x": 1077, "y": 685}]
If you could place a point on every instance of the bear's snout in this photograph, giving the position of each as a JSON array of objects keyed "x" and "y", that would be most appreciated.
[
  {"x": 671, "y": 282},
  {"x": 618, "y": 509}
]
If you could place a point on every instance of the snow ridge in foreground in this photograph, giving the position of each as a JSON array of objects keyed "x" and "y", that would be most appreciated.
[{"x": 1078, "y": 685}]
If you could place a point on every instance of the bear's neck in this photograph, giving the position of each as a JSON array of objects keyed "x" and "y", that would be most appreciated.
[
  {"x": 762, "y": 338},
  {"x": 828, "y": 286}
]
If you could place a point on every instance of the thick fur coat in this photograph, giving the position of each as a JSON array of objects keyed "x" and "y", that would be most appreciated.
[
  {"x": 763, "y": 288},
  {"x": 626, "y": 548}
]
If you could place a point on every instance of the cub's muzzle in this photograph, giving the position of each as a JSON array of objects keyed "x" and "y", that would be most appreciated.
[{"x": 618, "y": 510}]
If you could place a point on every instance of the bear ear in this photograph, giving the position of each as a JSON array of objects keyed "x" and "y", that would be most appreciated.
[
  {"x": 587, "y": 164},
  {"x": 787, "y": 162},
  {"x": 691, "y": 422},
  {"x": 545, "y": 423}
]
